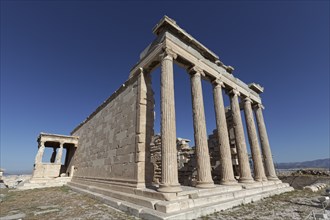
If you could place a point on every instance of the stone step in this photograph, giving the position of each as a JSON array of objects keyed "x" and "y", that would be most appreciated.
[
  {"x": 190, "y": 208},
  {"x": 216, "y": 207},
  {"x": 217, "y": 197},
  {"x": 47, "y": 180},
  {"x": 103, "y": 185},
  {"x": 128, "y": 197},
  {"x": 125, "y": 206},
  {"x": 219, "y": 189},
  {"x": 260, "y": 184},
  {"x": 38, "y": 185},
  {"x": 144, "y": 192},
  {"x": 42, "y": 183},
  {"x": 41, "y": 180},
  {"x": 191, "y": 191}
]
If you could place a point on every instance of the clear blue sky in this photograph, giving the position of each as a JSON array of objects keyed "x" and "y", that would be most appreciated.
[{"x": 61, "y": 59}]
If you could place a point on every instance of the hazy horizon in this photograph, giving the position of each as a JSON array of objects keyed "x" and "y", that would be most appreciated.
[{"x": 27, "y": 171}]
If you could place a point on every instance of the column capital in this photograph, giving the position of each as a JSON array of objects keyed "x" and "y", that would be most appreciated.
[
  {"x": 168, "y": 53},
  {"x": 247, "y": 99},
  {"x": 41, "y": 143},
  {"x": 258, "y": 105},
  {"x": 195, "y": 70},
  {"x": 140, "y": 70},
  {"x": 218, "y": 82},
  {"x": 61, "y": 143},
  {"x": 234, "y": 92}
]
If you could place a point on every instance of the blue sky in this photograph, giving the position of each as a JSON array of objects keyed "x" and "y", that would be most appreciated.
[{"x": 61, "y": 59}]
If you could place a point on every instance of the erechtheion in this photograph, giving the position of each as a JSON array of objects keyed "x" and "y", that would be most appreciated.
[{"x": 114, "y": 153}]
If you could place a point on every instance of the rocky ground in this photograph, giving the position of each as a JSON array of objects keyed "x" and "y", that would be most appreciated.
[
  {"x": 54, "y": 203},
  {"x": 291, "y": 205}
]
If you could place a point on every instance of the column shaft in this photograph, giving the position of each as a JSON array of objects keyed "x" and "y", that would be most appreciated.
[
  {"x": 244, "y": 166},
  {"x": 227, "y": 173},
  {"x": 204, "y": 176},
  {"x": 169, "y": 181},
  {"x": 259, "y": 173},
  {"x": 59, "y": 154},
  {"x": 267, "y": 154}
]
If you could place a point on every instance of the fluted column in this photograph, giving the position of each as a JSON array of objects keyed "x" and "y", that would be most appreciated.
[
  {"x": 267, "y": 154},
  {"x": 59, "y": 154},
  {"x": 259, "y": 173},
  {"x": 169, "y": 181},
  {"x": 227, "y": 173},
  {"x": 204, "y": 176},
  {"x": 40, "y": 153},
  {"x": 243, "y": 159}
]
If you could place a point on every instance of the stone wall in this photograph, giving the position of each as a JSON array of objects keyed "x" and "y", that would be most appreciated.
[
  {"x": 214, "y": 149},
  {"x": 232, "y": 142},
  {"x": 187, "y": 165},
  {"x": 187, "y": 159},
  {"x": 46, "y": 170},
  {"x": 108, "y": 139}
]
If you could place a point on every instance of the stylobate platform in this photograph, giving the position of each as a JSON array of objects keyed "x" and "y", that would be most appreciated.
[{"x": 188, "y": 204}]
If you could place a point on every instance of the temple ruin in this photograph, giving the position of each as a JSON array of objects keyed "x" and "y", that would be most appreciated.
[{"x": 115, "y": 156}]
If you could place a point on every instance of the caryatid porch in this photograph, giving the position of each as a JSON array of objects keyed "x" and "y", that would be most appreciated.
[
  {"x": 54, "y": 168},
  {"x": 175, "y": 45}
]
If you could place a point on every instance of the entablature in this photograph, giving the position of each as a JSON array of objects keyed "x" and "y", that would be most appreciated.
[
  {"x": 189, "y": 57},
  {"x": 64, "y": 139}
]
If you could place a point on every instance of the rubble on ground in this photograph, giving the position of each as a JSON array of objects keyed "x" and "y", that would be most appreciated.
[
  {"x": 12, "y": 181},
  {"x": 315, "y": 187},
  {"x": 313, "y": 172}
]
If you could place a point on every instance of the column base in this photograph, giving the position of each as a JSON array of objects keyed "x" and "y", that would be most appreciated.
[
  {"x": 246, "y": 180},
  {"x": 205, "y": 185},
  {"x": 264, "y": 179},
  {"x": 272, "y": 178},
  {"x": 228, "y": 182},
  {"x": 169, "y": 188},
  {"x": 259, "y": 179}
]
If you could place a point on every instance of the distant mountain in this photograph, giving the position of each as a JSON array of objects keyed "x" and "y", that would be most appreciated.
[{"x": 321, "y": 163}]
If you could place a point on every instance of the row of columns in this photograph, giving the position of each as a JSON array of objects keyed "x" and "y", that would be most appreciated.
[
  {"x": 168, "y": 133},
  {"x": 41, "y": 150}
]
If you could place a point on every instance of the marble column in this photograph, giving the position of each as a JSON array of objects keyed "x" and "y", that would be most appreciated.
[
  {"x": 40, "y": 152},
  {"x": 259, "y": 173},
  {"x": 243, "y": 159},
  {"x": 204, "y": 176},
  {"x": 267, "y": 154},
  {"x": 169, "y": 181},
  {"x": 227, "y": 172},
  {"x": 59, "y": 154}
]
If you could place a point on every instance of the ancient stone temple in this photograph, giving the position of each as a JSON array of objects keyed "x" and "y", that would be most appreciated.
[{"x": 115, "y": 156}]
